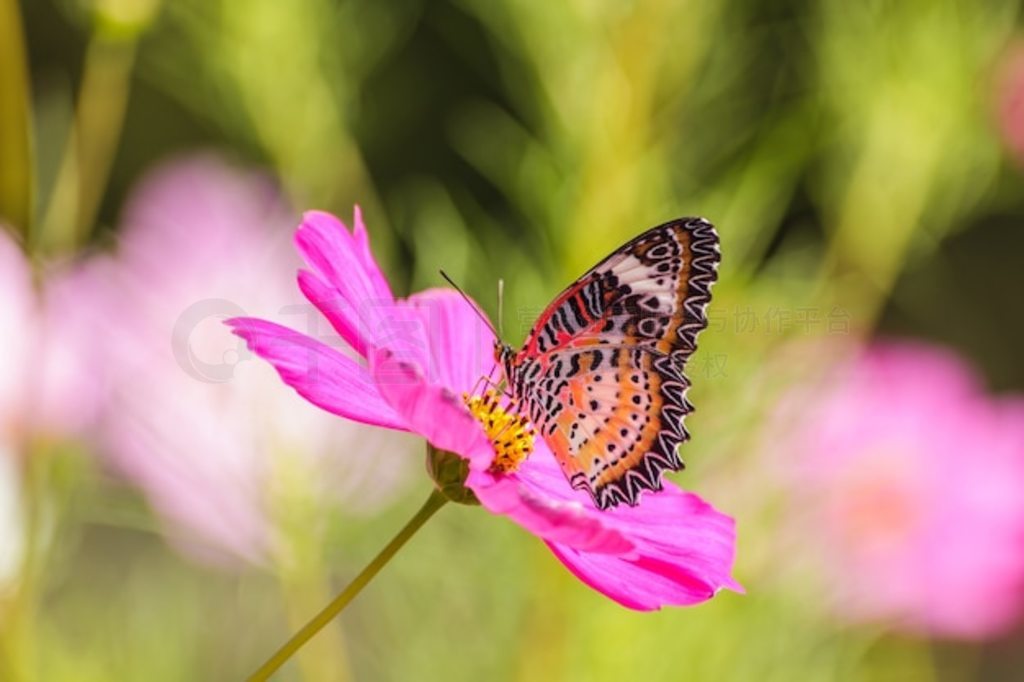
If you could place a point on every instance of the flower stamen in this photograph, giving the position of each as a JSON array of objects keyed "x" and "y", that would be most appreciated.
[{"x": 510, "y": 433}]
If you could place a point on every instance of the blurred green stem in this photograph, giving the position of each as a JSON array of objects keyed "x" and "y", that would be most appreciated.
[
  {"x": 326, "y": 657},
  {"x": 92, "y": 143},
  {"x": 18, "y": 628},
  {"x": 15, "y": 121},
  {"x": 433, "y": 503}
]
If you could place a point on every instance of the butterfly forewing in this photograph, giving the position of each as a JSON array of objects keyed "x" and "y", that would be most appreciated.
[{"x": 601, "y": 373}]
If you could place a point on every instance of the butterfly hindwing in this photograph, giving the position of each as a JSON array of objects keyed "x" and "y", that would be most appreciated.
[
  {"x": 601, "y": 373},
  {"x": 613, "y": 417}
]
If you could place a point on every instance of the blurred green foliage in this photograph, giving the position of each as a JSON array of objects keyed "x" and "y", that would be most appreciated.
[
  {"x": 15, "y": 126},
  {"x": 848, "y": 153}
]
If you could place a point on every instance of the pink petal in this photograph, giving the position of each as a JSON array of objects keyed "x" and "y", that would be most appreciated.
[
  {"x": 674, "y": 521},
  {"x": 339, "y": 258},
  {"x": 370, "y": 266},
  {"x": 432, "y": 410},
  {"x": 460, "y": 342},
  {"x": 554, "y": 520},
  {"x": 320, "y": 374},
  {"x": 346, "y": 275},
  {"x": 677, "y": 525},
  {"x": 643, "y": 584},
  {"x": 338, "y": 312},
  {"x": 681, "y": 549},
  {"x": 684, "y": 553}
]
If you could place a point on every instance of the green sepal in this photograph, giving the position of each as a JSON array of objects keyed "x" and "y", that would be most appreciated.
[{"x": 449, "y": 472}]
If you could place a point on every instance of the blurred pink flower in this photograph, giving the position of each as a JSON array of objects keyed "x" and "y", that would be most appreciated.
[
  {"x": 219, "y": 447},
  {"x": 20, "y": 319},
  {"x": 1010, "y": 98},
  {"x": 913, "y": 480},
  {"x": 20, "y": 315},
  {"x": 422, "y": 354},
  {"x": 33, "y": 393}
]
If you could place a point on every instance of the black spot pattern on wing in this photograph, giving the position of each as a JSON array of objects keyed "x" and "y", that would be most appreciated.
[{"x": 639, "y": 310}]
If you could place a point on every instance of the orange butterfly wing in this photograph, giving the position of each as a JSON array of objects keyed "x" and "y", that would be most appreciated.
[{"x": 601, "y": 373}]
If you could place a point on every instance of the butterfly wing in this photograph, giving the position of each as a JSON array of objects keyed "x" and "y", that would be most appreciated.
[{"x": 601, "y": 373}]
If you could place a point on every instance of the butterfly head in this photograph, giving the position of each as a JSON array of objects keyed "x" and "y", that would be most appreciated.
[{"x": 503, "y": 354}]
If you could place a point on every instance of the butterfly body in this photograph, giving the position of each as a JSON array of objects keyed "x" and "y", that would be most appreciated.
[{"x": 601, "y": 373}]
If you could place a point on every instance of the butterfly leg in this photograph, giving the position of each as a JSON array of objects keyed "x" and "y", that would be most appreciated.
[
  {"x": 498, "y": 386},
  {"x": 476, "y": 387}
]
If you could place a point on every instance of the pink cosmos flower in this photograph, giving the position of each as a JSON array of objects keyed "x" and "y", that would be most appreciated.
[
  {"x": 912, "y": 481},
  {"x": 221, "y": 450},
  {"x": 416, "y": 358}
]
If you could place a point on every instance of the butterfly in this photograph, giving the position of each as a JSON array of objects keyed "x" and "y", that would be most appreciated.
[{"x": 600, "y": 375}]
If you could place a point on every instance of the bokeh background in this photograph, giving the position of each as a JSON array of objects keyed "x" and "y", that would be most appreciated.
[{"x": 170, "y": 511}]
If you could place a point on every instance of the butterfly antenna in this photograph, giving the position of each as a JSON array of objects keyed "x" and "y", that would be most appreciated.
[
  {"x": 469, "y": 301},
  {"x": 501, "y": 308}
]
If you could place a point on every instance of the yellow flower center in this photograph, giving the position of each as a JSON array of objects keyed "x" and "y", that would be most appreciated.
[{"x": 511, "y": 434}]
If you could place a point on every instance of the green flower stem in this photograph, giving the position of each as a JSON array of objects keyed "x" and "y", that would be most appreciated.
[
  {"x": 433, "y": 503},
  {"x": 92, "y": 143}
]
